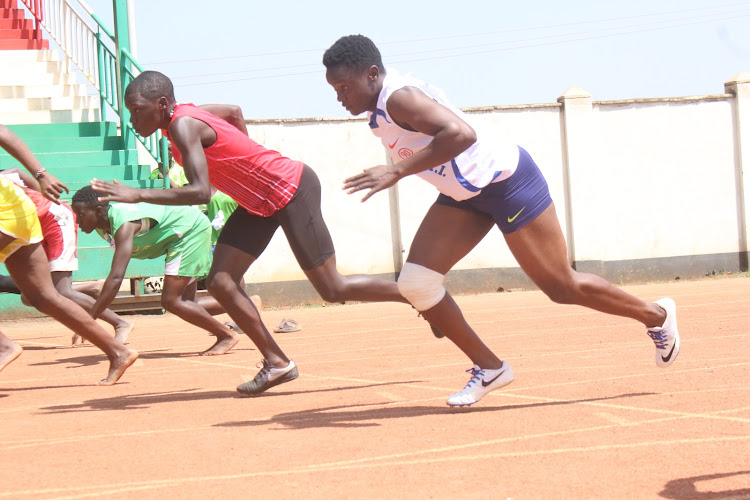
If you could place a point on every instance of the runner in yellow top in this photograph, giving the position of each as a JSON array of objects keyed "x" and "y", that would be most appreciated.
[{"x": 22, "y": 253}]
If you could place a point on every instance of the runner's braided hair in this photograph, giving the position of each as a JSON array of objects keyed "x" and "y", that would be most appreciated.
[{"x": 354, "y": 51}]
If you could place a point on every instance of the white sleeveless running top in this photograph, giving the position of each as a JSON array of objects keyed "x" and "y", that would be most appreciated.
[{"x": 463, "y": 177}]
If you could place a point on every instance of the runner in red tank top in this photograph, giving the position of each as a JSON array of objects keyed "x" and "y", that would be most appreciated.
[
  {"x": 258, "y": 179},
  {"x": 212, "y": 144}
]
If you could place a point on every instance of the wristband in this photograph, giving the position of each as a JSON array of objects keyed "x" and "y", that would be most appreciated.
[{"x": 39, "y": 172}]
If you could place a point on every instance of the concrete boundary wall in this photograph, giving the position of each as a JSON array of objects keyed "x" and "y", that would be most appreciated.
[{"x": 645, "y": 189}]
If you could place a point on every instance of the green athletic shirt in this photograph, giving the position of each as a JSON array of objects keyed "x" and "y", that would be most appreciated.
[
  {"x": 172, "y": 224},
  {"x": 218, "y": 211}
]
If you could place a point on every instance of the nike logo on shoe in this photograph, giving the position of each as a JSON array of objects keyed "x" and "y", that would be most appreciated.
[
  {"x": 669, "y": 356},
  {"x": 485, "y": 383}
]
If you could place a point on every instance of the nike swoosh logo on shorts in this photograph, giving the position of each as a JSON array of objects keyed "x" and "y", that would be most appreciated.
[
  {"x": 486, "y": 383},
  {"x": 669, "y": 356},
  {"x": 511, "y": 219},
  {"x": 393, "y": 145}
]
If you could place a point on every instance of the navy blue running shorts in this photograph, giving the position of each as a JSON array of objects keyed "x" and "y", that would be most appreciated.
[{"x": 511, "y": 203}]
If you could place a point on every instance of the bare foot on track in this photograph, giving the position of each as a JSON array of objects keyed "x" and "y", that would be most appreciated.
[
  {"x": 8, "y": 354},
  {"x": 222, "y": 346},
  {"x": 118, "y": 366}
]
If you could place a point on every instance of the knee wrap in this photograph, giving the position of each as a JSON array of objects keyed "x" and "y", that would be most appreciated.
[{"x": 422, "y": 287}]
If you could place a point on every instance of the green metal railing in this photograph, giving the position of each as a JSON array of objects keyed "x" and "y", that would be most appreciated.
[
  {"x": 156, "y": 144},
  {"x": 107, "y": 66},
  {"x": 102, "y": 58},
  {"x": 111, "y": 92}
]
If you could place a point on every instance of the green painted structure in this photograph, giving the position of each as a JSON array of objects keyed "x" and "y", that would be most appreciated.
[{"x": 76, "y": 153}]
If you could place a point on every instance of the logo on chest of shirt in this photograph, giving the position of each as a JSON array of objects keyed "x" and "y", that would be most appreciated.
[{"x": 405, "y": 153}]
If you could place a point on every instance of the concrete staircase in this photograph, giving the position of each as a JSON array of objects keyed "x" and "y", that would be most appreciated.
[
  {"x": 76, "y": 153},
  {"x": 35, "y": 87},
  {"x": 16, "y": 31},
  {"x": 36, "y": 84},
  {"x": 59, "y": 119}
]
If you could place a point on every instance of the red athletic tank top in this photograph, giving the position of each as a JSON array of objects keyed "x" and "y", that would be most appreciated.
[{"x": 260, "y": 180}]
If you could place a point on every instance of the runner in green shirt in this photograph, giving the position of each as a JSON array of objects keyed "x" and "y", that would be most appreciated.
[
  {"x": 218, "y": 211},
  {"x": 146, "y": 231}
]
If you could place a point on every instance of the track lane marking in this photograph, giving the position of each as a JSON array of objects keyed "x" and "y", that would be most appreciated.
[{"x": 119, "y": 488}]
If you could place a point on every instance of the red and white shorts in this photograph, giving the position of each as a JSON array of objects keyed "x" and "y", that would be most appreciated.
[{"x": 60, "y": 238}]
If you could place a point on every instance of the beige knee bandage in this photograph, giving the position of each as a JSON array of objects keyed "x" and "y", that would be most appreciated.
[{"x": 422, "y": 287}]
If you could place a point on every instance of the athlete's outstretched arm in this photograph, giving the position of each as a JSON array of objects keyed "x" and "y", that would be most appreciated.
[
  {"x": 413, "y": 110},
  {"x": 51, "y": 187},
  {"x": 229, "y": 113},
  {"x": 123, "y": 252},
  {"x": 190, "y": 136},
  {"x": 27, "y": 179}
]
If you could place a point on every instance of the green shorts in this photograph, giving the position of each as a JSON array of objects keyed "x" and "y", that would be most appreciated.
[{"x": 191, "y": 255}]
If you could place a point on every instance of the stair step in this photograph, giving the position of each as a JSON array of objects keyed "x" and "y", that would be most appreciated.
[
  {"x": 74, "y": 186},
  {"x": 56, "y": 144},
  {"x": 144, "y": 183},
  {"x": 24, "y": 44},
  {"x": 34, "y": 91},
  {"x": 12, "y": 13},
  {"x": 31, "y": 69},
  {"x": 10, "y": 23},
  {"x": 76, "y": 160},
  {"x": 48, "y": 104},
  {"x": 61, "y": 130},
  {"x": 19, "y": 78},
  {"x": 57, "y": 116},
  {"x": 82, "y": 174},
  {"x": 7, "y": 56},
  {"x": 20, "y": 34},
  {"x": 138, "y": 178}
]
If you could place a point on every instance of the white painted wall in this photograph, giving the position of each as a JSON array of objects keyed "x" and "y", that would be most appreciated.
[
  {"x": 667, "y": 179},
  {"x": 634, "y": 179},
  {"x": 335, "y": 149}
]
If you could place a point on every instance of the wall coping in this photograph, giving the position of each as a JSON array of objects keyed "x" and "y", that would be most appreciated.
[
  {"x": 511, "y": 107},
  {"x": 662, "y": 100},
  {"x": 265, "y": 121}
]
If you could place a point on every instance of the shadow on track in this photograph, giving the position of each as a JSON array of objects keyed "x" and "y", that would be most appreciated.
[{"x": 337, "y": 416}]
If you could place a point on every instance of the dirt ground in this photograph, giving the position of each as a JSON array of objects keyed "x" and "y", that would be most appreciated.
[{"x": 589, "y": 415}]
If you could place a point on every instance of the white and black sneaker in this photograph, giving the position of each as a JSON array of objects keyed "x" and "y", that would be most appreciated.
[
  {"x": 481, "y": 383},
  {"x": 269, "y": 376},
  {"x": 666, "y": 337}
]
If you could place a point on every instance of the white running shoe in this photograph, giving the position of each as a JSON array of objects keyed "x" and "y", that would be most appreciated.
[
  {"x": 480, "y": 383},
  {"x": 666, "y": 337}
]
